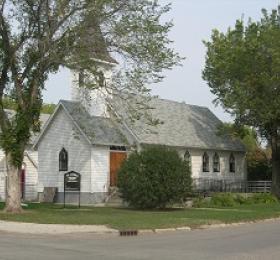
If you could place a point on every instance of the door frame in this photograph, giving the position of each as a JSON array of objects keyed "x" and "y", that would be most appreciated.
[{"x": 114, "y": 152}]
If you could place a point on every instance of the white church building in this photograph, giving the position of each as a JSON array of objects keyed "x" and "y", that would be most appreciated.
[{"x": 94, "y": 139}]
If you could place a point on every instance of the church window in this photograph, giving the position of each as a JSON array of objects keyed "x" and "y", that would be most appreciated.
[
  {"x": 232, "y": 163},
  {"x": 63, "y": 160},
  {"x": 187, "y": 158},
  {"x": 205, "y": 162},
  {"x": 216, "y": 163}
]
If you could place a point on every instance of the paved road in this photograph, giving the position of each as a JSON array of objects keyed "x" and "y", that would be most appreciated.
[{"x": 252, "y": 241}]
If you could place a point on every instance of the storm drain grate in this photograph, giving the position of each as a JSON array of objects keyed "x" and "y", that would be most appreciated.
[{"x": 124, "y": 233}]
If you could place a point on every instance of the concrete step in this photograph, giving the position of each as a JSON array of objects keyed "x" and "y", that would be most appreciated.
[{"x": 114, "y": 199}]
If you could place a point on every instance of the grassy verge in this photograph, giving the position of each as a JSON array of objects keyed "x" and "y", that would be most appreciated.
[{"x": 135, "y": 219}]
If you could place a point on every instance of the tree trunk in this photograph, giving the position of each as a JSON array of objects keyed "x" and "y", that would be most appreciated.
[
  {"x": 13, "y": 188},
  {"x": 275, "y": 165}
]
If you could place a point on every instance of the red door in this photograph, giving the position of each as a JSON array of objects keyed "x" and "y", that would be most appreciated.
[
  {"x": 22, "y": 183},
  {"x": 116, "y": 159}
]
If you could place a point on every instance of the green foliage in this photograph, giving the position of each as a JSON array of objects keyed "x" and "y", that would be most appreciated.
[
  {"x": 8, "y": 103},
  {"x": 232, "y": 200},
  {"x": 201, "y": 202},
  {"x": 48, "y": 108},
  {"x": 265, "y": 198},
  {"x": 248, "y": 136},
  {"x": 259, "y": 164},
  {"x": 154, "y": 178},
  {"x": 223, "y": 200},
  {"x": 242, "y": 70},
  {"x": 241, "y": 199}
]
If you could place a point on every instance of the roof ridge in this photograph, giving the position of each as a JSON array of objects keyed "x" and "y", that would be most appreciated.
[
  {"x": 69, "y": 101},
  {"x": 156, "y": 97},
  {"x": 181, "y": 103}
]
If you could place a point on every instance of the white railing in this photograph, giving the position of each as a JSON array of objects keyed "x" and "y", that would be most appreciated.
[{"x": 216, "y": 185}]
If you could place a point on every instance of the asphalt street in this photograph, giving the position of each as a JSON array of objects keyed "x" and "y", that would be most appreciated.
[{"x": 250, "y": 241}]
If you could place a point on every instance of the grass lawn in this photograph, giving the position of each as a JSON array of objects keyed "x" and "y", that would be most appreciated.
[{"x": 120, "y": 218}]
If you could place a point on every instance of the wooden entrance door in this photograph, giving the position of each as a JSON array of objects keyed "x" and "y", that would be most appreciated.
[{"x": 116, "y": 159}]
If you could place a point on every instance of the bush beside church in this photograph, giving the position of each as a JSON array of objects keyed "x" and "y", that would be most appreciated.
[{"x": 156, "y": 177}]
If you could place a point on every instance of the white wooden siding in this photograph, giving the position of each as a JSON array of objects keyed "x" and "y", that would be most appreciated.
[
  {"x": 62, "y": 133},
  {"x": 196, "y": 164},
  {"x": 31, "y": 175},
  {"x": 100, "y": 161}
]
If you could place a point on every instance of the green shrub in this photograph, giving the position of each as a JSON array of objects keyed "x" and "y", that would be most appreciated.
[
  {"x": 201, "y": 202},
  {"x": 223, "y": 200},
  {"x": 231, "y": 200},
  {"x": 154, "y": 178},
  {"x": 266, "y": 198},
  {"x": 239, "y": 199}
]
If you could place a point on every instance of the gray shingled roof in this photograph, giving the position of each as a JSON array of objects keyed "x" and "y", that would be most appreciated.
[
  {"x": 183, "y": 125},
  {"x": 99, "y": 130}
]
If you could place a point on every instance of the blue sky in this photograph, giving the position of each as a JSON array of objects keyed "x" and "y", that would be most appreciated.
[{"x": 193, "y": 22}]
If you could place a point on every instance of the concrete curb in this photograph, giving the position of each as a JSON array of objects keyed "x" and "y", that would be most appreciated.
[
  {"x": 162, "y": 230},
  {"x": 209, "y": 226},
  {"x": 60, "y": 229},
  {"x": 235, "y": 224}
]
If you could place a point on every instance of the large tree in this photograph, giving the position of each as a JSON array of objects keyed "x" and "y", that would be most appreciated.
[
  {"x": 243, "y": 71},
  {"x": 38, "y": 37}
]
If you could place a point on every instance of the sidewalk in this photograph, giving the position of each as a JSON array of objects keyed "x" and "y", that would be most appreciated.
[{"x": 32, "y": 228}]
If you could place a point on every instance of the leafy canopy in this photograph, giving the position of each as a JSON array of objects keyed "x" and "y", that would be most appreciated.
[
  {"x": 11, "y": 104},
  {"x": 38, "y": 37},
  {"x": 242, "y": 70}
]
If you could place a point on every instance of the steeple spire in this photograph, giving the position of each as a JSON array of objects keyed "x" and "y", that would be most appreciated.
[{"x": 92, "y": 44}]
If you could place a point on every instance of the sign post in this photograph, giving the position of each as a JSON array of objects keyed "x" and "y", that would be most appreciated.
[{"x": 72, "y": 183}]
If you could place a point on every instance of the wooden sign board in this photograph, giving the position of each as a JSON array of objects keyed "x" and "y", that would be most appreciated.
[{"x": 72, "y": 181}]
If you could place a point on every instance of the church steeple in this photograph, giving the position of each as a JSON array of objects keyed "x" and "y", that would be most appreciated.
[
  {"x": 94, "y": 100},
  {"x": 93, "y": 45}
]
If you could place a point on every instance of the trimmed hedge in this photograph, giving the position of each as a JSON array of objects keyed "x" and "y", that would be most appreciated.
[{"x": 156, "y": 177}]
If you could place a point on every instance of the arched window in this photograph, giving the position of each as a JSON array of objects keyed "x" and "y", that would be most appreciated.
[
  {"x": 216, "y": 163},
  {"x": 63, "y": 160},
  {"x": 205, "y": 162},
  {"x": 187, "y": 158},
  {"x": 231, "y": 163}
]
